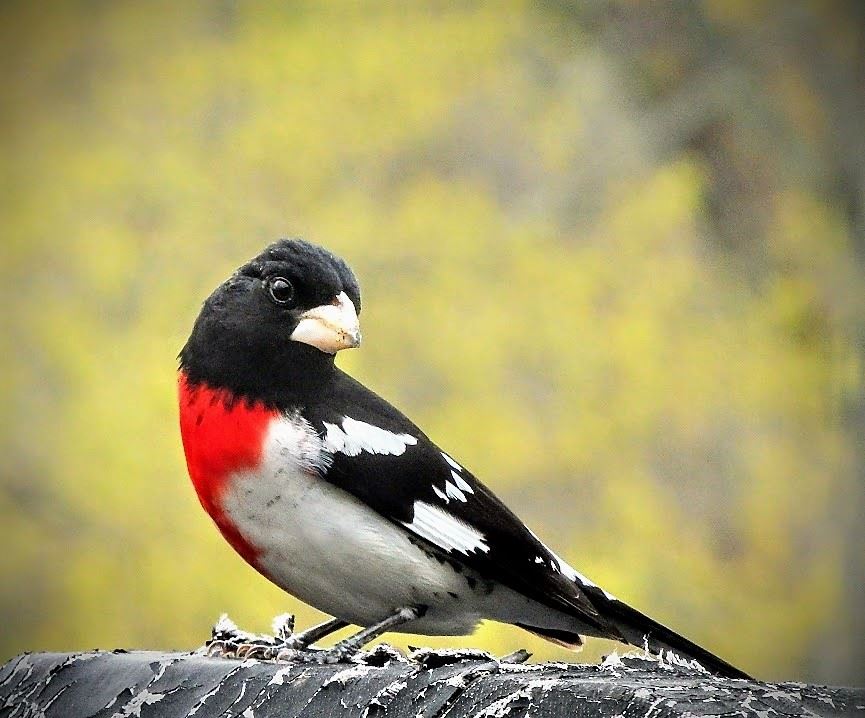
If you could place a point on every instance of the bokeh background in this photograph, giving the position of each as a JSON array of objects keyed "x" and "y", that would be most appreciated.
[{"x": 613, "y": 259}]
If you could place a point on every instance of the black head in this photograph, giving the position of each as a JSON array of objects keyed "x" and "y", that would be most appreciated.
[{"x": 271, "y": 329}]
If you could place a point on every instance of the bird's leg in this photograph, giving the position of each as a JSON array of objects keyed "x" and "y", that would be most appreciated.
[
  {"x": 347, "y": 648},
  {"x": 304, "y": 639}
]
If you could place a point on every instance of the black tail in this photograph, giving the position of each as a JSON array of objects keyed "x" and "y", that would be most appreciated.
[{"x": 641, "y": 631}]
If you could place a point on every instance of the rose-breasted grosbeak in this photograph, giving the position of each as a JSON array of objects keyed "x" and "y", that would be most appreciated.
[{"x": 339, "y": 499}]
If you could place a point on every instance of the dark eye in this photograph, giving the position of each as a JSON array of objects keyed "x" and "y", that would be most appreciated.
[{"x": 281, "y": 290}]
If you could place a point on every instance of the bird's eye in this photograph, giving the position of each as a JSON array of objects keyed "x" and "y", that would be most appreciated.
[{"x": 281, "y": 290}]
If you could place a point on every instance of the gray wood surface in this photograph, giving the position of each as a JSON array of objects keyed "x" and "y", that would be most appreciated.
[{"x": 143, "y": 683}]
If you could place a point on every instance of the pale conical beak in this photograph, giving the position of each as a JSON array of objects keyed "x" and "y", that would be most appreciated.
[{"x": 330, "y": 327}]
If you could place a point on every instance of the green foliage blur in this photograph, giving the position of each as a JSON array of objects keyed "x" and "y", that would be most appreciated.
[{"x": 612, "y": 257}]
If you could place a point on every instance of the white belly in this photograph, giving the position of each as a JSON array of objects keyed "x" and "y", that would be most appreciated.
[{"x": 330, "y": 550}]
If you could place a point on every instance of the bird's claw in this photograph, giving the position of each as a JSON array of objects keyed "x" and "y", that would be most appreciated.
[
  {"x": 284, "y": 646},
  {"x": 219, "y": 649},
  {"x": 229, "y": 641},
  {"x": 257, "y": 651}
]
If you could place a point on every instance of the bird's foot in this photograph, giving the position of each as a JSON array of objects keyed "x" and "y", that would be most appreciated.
[
  {"x": 229, "y": 641},
  {"x": 286, "y": 646}
]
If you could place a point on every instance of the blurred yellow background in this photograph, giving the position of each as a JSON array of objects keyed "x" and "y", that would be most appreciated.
[{"x": 612, "y": 260}]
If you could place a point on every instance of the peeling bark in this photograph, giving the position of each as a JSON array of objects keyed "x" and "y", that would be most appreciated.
[{"x": 143, "y": 683}]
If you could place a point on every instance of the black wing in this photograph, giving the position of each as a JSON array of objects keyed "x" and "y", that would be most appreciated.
[{"x": 405, "y": 477}]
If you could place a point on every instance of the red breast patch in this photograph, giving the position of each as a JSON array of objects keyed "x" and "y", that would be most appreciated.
[{"x": 221, "y": 435}]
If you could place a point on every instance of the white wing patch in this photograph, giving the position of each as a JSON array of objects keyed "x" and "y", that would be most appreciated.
[
  {"x": 356, "y": 436},
  {"x": 453, "y": 492},
  {"x": 456, "y": 490},
  {"x": 461, "y": 483},
  {"x": 444, "y": 530},
  {"x": 454, "y": 464}
]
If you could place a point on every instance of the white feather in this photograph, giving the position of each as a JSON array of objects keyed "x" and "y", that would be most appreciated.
[
  {"x": 445, "y": 530},
  {"x": 454, "y": 492},
  {"x": 462, "y": 483},
  {"x": 453, "y": 463},
  {"x": 356, "y": 436}
]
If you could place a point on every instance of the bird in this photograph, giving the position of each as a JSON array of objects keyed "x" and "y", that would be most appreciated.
[{"x": 338, "y": 498}]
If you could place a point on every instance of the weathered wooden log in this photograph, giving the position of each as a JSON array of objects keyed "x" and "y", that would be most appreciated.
[{"x": 169, "y": 685}]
